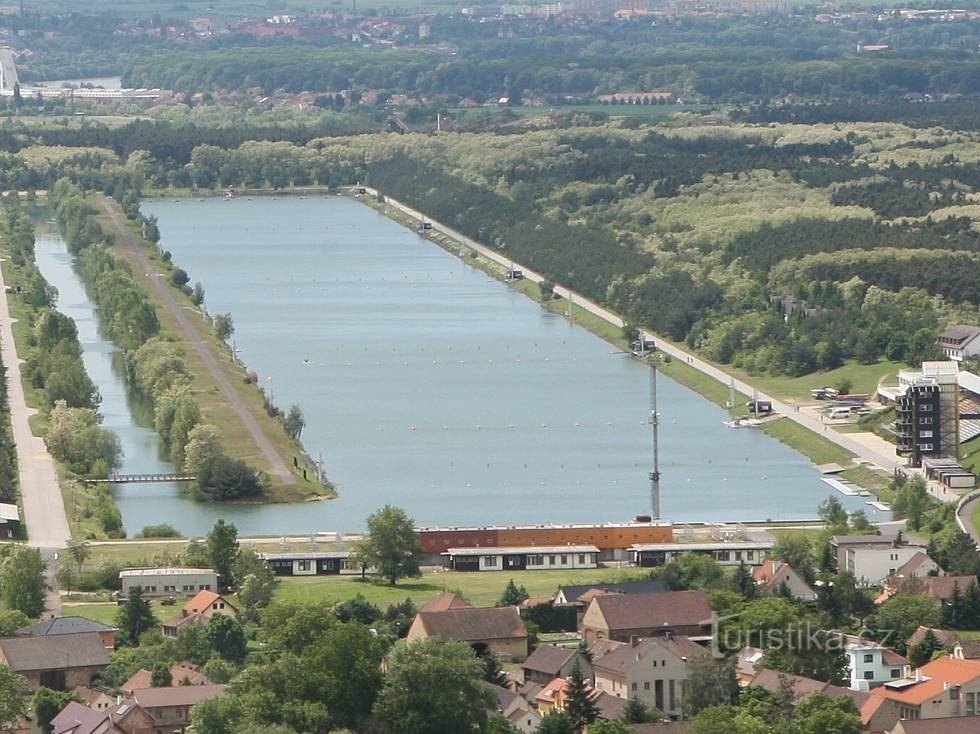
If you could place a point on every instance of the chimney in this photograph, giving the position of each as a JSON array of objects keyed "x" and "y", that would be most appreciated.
[{"x": 634, "y": 640}]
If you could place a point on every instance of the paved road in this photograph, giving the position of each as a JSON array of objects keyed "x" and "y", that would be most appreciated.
[
  {"x": 277, "y": 467},
  {"x": 888, "y": 462},
  {"x": 44, "y": 507},
  {"x": 965, "y": 520}
]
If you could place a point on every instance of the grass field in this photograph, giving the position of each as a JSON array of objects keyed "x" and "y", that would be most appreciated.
[
  {"x": 816, "y": 447},
  {"x": 479, "y": 588},
  {"x": 970, "y": 454},
  {"x": 105, "y": 613},
  {"x": 864, "y": 379},
  {"x": 215, "y": 408}
]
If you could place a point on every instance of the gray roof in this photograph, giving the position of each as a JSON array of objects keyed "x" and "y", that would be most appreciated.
[
  {"x": 620, "y": 659},
  {"x": 960, "y": 333},
  {"x": 504, "y": 697},
  {"x": 548, "y": 659},
  {"x": 629, "y": 587},
  {"x": 661, "y": 610},
  {"x": 856, "y": 539},
  {"x": 474, "y": 623},
  {"x": 54, "y": 652},
  {"x": 64, "y": 626}
]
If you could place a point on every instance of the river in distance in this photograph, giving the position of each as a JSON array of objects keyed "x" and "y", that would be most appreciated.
[{"x": 428, "y": 385}]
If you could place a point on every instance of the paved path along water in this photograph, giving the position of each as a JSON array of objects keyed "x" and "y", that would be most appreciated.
[
  {"x": 277, "y": 466},
  {"x": 866, "y": 453},
  {"x": 44, "y": 507}
]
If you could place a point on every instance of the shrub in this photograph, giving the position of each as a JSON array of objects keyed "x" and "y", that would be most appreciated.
[{"x": 163, "y": 530}]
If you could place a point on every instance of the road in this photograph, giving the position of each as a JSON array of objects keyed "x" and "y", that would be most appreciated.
[
  {"x": 277, "y": 467},
  {"x": 44, "y": 507},
  {"x": 888, "y": 462},
  {"x": 964, "y": 518}
]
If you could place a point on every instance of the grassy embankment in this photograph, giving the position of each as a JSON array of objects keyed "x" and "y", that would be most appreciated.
[{"x": 215, "y": 409}]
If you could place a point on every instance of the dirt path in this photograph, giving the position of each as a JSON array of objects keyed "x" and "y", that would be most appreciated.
[
  {"x": 278, "y": 468},
  {"x": 44, "y": 507},
  {"x": 875, "y": 455}
]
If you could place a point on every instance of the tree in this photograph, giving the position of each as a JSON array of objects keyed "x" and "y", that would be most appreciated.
[
  {"x": 797, "y": 552},
  {"x": 223, "y": 478},
  {"x": 611, "y": 726},
  {"x": 959, "y": 554},
  {"x": 22, "y": 580},
  {"x": 699, "y": 571},
  {"x": 347, "y": 665},
  {"x": 12, "y": 620},
  {"x": 203, "y": 445},
  {"x": 820, "y": 714},
  {"x": 294, "y": 626},
  {"x": 227, "y": 637},
  {"x": 294, "y": 423},
  {"x": 832, "y": 512},
  {"x": 557, "y": 722},
  {"x": 224, "y": 327},
  {"x": 513, "y": 595},
  {"x": 179, "y": 277},
  {"x": 160, "y": 676},
  {"x": 134, "y": 618},
  {"x": 197, "y": 295},
  {"x": 65, "y": 577},
  {"x": 79, "y": 552},
  {"x": 923, "y": 652},
  {"x": 744, "y": 581},
  {"x": 47, "y": 703},
  {"x": 492, "y": 672},
  {"x": 709, "y": 683},
  {"x": 391, "y": 546},
  {"x": 581, "y": 709},
  {"x": 637, "y": 712},
  {"x": 223, "y": 551},
  {"x": 416, "y": 672},
  {"x": 898, "y": 618}
]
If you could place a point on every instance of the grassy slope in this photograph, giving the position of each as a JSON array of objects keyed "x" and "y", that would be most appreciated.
[
  {"x": 235, "y": 437},
  {"x": 864, "y": 379},
  {"x": 819, "y": 449}
]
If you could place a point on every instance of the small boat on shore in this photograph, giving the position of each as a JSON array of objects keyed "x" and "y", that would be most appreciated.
[{"x": 742, "y": 423}]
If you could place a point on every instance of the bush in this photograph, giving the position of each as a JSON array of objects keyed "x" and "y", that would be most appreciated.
[
  {"x": 223, "y": 478},
  {"x": 179, "y": 277},
  {"x": 163, "y": 530}
]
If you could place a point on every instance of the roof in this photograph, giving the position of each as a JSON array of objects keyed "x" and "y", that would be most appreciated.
[
  {"x": 913, "y": 564},
  {"x": 201, "y": 600},
  {"x": 549, "y": 659},
  {"x": 64, "y": 626},
  {"x": 681, "y": 547},
  {"x": 172, "y": 571},
  {"x": 90, "y": 695},
  {"x": 445, "y": 600},
  {"x": 959, "y": 334},
  {"x": 473, "y": 623},
  {"x": 150, "y": 698},
  {"x": 663, "y": 727},
  {"x": 531, "y": 549},
  {"x": 504, "y": 697},
  {"x": 946, "y": 637},
  {"x": 770, "y": 574},
  {"x": 620, "y": 659},
  {"x": 941, "y": 587},
  {"x": 179, "y": 672},
  {"x": 77, "y": 718},
  {"x": 648, "y": 611},
  {"x": 936, "y": 676},
  {"x": 571, "y": 593},
  {"x": 54, "y": 652},
  {"x": 969, "y": 649},
  {"x": 9, "y": 512},
  {"x": 953, "y": 725},
  {"x": 857, "y": 539},
  {"x": 300, "y": 555}
]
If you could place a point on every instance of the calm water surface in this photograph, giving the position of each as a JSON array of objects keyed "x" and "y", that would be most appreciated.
[{"x": 429, "y": 385}]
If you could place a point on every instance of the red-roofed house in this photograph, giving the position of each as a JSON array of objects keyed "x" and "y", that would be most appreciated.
[
  {"x": 942, "y": 688},
  {"x": 445, "y": 600},
  {"x": 772, "y": 575},
  {"x": 200, "y": 608},
  {"x": 495, "y": 629}
]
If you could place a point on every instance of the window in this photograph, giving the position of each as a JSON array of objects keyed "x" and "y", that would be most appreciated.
[
  {"x": 655, "y": 663},
  {"x": 671, "y": 694},
  {"x": 925, "y": 421},
  {"x": 491, "y": 560},
  {"x": 204, "y": 587},
  {"x": 564, "y": 560},
  {"x": 304, "y": 565},
  {"x": 869, "y": 658},
  {"x": 908, "y": 712},
  {"x": 551, "y": 560},
  {"x": 869, "y": 675},
  {"x": 925, "y": 407},
  {"x": 925, "y": 434},
  {"x": 925, "y": 446},
  {"x": 634, "y": 686},
  {"x": 646, "y": 686},
  {"x": 954, "y": 693},
  {"x": 896, "y": 672},
  {"x": 581, "y": 559},
  {"x": 188, "y": 587},
  {"x": 971, "y": 704}
]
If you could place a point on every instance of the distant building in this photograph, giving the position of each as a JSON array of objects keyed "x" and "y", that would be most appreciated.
[
  {"x": 872, "y": 564},
  {"x": 942, "y": 688},
  {"x": 621, "y": 617},
  {"x": 960, "y": 341},
  {"x": 71, "y": 626},
  {"x": 870, "y": 664},
  {"x": 529, "y": 558},
  {"x": 840, "y": 544},
  {"x": 581, "y": 595},
  {"x": 309, "y": 563},
  {"x": 61, "y": 662},
  {"x": 168, "y": 581},
  {"x": 732, "y": 553},
  {"x": 927, "y": 412},
  {"x": 652, "y": 670},
  {"x": 199, "y": 610},
  {"x": 499, "y": 630},
  {"x": 771, "y": 576},
  {"x": 548, "y": 662}
]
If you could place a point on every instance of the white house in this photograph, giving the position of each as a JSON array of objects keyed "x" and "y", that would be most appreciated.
[
  {"x": 872, "y": 564},
  {"x": 530, "y": 558},
  {"x": 870, "y": 664},
  {"x": 960, "y": 341}
]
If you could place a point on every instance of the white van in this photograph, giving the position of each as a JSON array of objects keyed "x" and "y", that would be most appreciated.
[{"x": 836, "y": 413}]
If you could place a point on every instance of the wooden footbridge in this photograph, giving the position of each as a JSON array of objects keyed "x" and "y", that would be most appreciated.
[{"x": 142, "y": 478}]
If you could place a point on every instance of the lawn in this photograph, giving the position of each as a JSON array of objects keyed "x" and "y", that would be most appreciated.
[
  {"x": 133, "y": 553},
  {"x": 864, "y": 379},
  {"x": 819, "y": 449},
  {"x": 970, "y": 454},
  {"x": 480, "y": 588},
  {"x": 105, "y": 613}
]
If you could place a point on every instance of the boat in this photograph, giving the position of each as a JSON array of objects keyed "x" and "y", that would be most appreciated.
[{"x": 742, "y": 423}]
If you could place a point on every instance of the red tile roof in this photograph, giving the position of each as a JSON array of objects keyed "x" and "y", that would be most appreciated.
[
  {"x": 444, "y": 601},
  {"x": 662, "y": 609},
  {"x": 936, "y": 675}
]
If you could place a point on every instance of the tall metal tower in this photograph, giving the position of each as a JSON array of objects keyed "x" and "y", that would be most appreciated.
[{"x": 655, "y": 424}]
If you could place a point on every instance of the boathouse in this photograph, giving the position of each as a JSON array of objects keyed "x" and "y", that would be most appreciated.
[
  {"x": 751, "y": 553},
  {"x": 530, "y": 558},
  {"x": 309, "y": 563}
]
